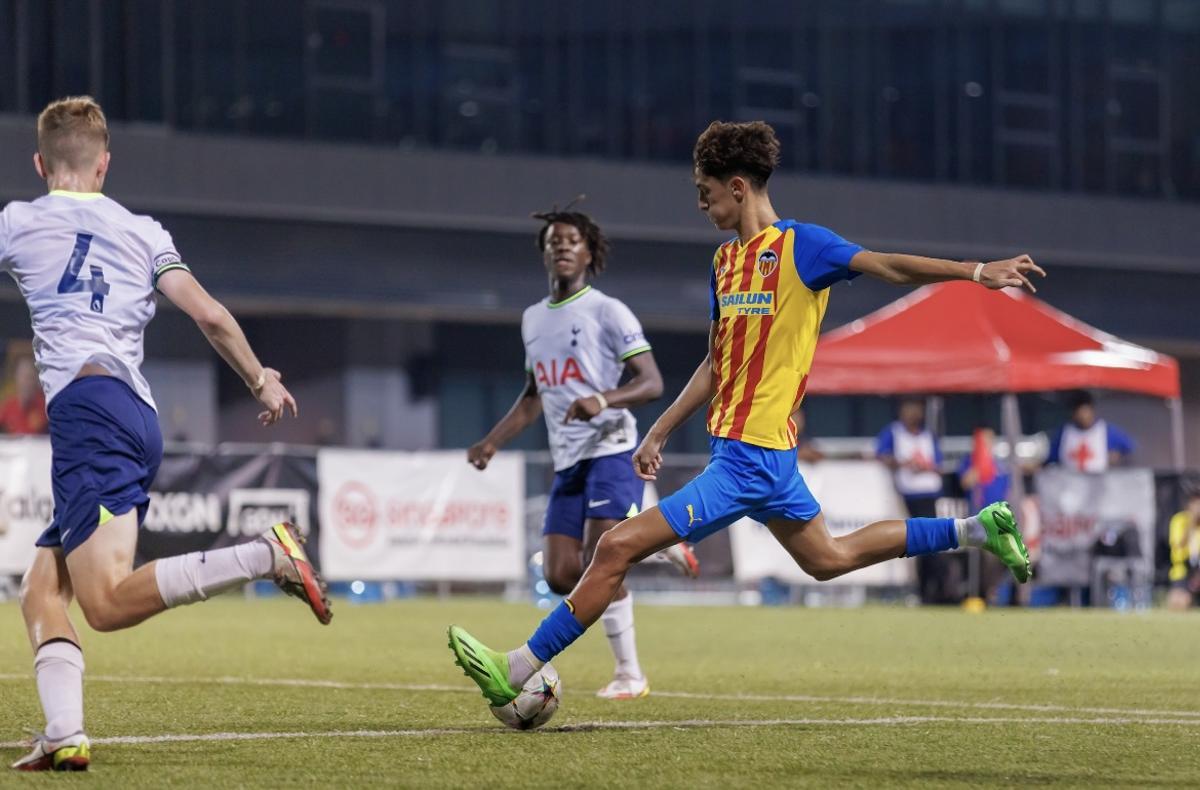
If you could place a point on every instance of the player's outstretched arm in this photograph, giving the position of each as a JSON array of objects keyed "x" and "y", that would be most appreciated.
[
  {"x": 644, "y": 385},
  {"x": 223, "y": 332},
  {"x": 917, "y": 270},
  {"x": 528, "y": 407},
  {"x": 695, "y": 394}
]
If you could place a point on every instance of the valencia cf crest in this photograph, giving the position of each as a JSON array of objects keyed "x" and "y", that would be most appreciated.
[{"x": 768, "y": 262}]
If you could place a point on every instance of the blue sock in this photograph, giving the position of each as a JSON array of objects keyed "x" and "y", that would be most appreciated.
[
  {"x": 556, "y": 633},
  {"x": 930, "y": 535}
]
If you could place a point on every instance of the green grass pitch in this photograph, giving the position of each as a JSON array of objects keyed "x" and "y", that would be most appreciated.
[{"x": 770, "y": 697}]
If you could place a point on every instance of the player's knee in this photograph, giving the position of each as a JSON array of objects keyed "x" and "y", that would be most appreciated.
[
  {"x": 614, "y": 550},
  {"x": 823, "y": 574},
  {"x": 102, "y": 615},
  {"x": 99, "y": 620},
  {"x": 561, "y": 579},
  {"x": 562, "y": 571},
  {"x": 825, "y": 566},
  {"x": 27, "y": 595},
  {"x": 36, "y": 591}
]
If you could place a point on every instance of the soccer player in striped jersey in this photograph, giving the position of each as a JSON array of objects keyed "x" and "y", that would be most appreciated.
[
  {"x": 88, "y": 270},
  {"x": 578, "y": 343},
  {"x": 770, "y": 285}
]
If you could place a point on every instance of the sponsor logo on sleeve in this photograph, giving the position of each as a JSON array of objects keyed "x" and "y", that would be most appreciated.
[{"x": 167, "y": 259}]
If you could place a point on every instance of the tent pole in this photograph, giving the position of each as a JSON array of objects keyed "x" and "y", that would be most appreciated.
[
  {"x": 1010, "y": 419},
  {"x": 935, "y": 415},
  {"x": 1178, "y": 453}
]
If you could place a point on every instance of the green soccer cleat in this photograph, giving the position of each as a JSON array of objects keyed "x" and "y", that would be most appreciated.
[
  {"x": 487, "y": 667},
  {"x": 1004, "y": 539}
]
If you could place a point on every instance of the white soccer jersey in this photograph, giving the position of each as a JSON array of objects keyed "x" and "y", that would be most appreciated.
[
  {"x": 575, "y": 348},
  {"x": 87, "y": 268},
  {"x": 919, "y": 447},
  {"x": 1085, "y": 450}
]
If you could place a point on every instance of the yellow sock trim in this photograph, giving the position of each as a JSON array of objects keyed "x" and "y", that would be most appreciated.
[
  {"x": 105, "y": 515},
  {"x": 570, "y": 605}
]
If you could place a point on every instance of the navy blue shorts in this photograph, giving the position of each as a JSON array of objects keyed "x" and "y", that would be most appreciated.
[
  {"x": 740, "y": 480},
  {"x": 106, "y": 447},
  {"x": 603, "y": 487}
]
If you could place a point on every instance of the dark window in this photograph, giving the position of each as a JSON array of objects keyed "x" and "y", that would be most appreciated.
[{"x": 1086, "y": 95}]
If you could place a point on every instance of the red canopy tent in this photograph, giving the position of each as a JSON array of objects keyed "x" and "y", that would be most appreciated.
[{"x": 959, "y": 337}]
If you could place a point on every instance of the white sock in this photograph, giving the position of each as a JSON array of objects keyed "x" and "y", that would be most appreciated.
[
  {"x": 193, "y": 577},
  {"x": 618, "y": 627},
  {"x": 971, "y": 531},
  {"x": 58, "y": 667},
  {"x": 522, "y": 664}
]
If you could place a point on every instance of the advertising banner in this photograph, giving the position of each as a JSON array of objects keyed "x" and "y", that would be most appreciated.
[
  {"x": 1084, "y": 516},
  {"x": 205, "y": 501},
  {"x": 198, "y": 502},
  {"x": 421, "y": 516},
  {"x": 26, "y": 500}
]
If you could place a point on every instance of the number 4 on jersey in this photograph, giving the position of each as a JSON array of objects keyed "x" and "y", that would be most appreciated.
[{"x": 70, "y": 282}]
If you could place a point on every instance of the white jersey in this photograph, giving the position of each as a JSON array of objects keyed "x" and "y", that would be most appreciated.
[
  {"x": 575, "y": 348},
  {"x": 87, "y": 268},
  {"x": 1085, "y": 450},
  {"x": 919, "y": 448}
]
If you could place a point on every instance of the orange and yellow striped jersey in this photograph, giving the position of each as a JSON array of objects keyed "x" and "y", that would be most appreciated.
[{"x": 768, "y": 299}]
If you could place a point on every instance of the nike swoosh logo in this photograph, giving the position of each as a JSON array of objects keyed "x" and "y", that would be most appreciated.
[{"x": 598, "y": 502}]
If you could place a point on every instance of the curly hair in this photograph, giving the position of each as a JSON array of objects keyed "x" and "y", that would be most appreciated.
[
  {"x": 596, "y": 241},
  {"x": 725, "y": 150}
]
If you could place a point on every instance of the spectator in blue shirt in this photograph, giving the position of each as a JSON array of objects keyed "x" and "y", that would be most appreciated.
[
  {"x": 913, "y": 454},
  {"x": 1086, "y": 443}
]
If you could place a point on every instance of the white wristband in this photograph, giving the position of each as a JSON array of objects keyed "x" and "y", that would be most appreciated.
[
  {"x": 599, "y": 396},
  {"x": 978, "y": 271},
  {"x": 258, "y": 385}
]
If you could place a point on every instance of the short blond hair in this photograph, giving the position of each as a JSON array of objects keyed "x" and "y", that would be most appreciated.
[{"x": 71, "y": 133}]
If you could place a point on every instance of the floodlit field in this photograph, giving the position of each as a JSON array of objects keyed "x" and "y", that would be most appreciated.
[{"x": 244, "y": 694}]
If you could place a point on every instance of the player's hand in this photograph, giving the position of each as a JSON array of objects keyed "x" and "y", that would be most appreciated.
[
  {"x": 582, "y": 409},
  {"x": 648, "y": 457},
  {"x": 480, "y": 453},
  {"x": 275, "y": 398},
  {"x": 1010, "y": 273}
]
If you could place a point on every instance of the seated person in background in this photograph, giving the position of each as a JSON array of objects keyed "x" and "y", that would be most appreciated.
[
  {"x": 1185, "y": 554},
  {"x": 984, "y": 477},
  {"x": 1087, "y": 443},
  {"x": 806, "y": 449},
  {"x": 24, "y": 411}
]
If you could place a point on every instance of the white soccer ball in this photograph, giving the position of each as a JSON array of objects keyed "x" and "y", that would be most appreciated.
[{"x": 536, "y": 703}]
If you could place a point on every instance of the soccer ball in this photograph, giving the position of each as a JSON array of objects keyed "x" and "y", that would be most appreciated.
[{"x": 536, "y": 703}]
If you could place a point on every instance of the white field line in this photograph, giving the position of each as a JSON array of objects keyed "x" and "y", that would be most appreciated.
[
  {"x": 594, "y": 726},
  {"x": 435, "y": 687}
]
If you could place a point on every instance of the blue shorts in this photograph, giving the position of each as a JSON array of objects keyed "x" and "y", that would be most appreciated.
[
  {"x": 740, "y": 480},
  {"x": 106, "y": 448},
  {"x": 604, "y": 487}
]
